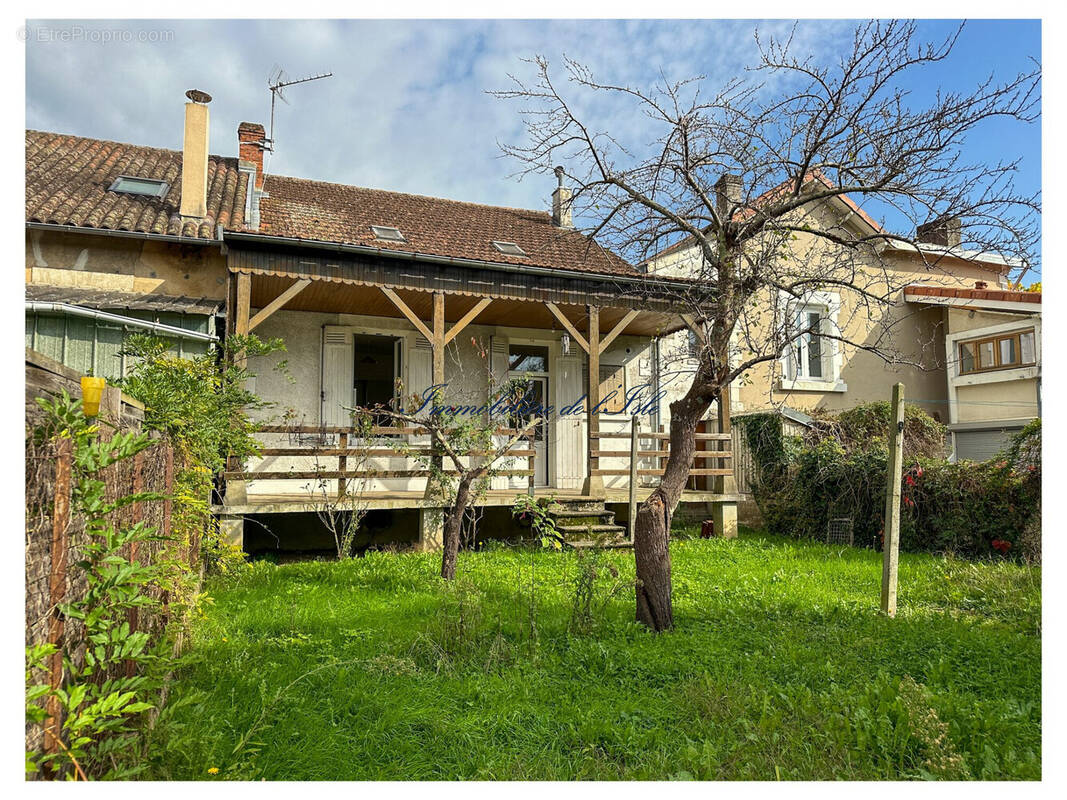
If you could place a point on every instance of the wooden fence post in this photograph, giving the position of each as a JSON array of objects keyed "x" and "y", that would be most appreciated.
[
  {"x": 891, "y": 529},
  {"x": 57, "y": 587},
  {"x": 635, "y": 435},
  {"x": 136, "y": 515}
]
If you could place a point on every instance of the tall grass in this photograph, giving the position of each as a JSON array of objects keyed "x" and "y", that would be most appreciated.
[{"x": 780, "y": 667}]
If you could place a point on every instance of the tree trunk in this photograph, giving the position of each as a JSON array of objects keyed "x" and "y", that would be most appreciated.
[
  {"x": 453, "y": 525},
  {"x": 652, "y": 531}
]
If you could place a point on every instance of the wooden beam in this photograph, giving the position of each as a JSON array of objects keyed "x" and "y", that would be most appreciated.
[
  {"x": 594, "y": 483},
  {"x": 244, "y": 301},
  {"x": 240, "y": 320},
  {"x": 891, "y": 526},
  {"x": 626, "y": 320},
  {"x": 278, "y": 302},
  {"x": 724, "y": 514},
  {"x": 438, "y": 340},
  {"x": 407, "y": 312},
  {"x": 467, "y": 318},
  {"x": 566, "y": 323}
]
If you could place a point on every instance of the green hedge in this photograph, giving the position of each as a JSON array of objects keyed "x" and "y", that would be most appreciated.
[{"x": 969, "y": 509}]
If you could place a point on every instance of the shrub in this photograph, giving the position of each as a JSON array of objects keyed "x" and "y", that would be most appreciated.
[{"x": 969, "y": 509}]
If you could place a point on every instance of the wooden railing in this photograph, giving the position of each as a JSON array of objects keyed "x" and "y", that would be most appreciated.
[
  {"x": 661, "y": 450},
  {"x": 347, "y": 445},
  {"x": 353, "y": 444}
]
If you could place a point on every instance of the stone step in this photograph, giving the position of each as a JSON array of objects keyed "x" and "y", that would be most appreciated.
[
  {"x": 576, "y": 504},
  {"x": 578, "y": 517},
  {"x": 588, "y": 544},
  {"x": 578, "y": 530}
]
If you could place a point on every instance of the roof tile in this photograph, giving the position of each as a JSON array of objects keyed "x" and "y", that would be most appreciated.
[{"x": 68, "y": 180}]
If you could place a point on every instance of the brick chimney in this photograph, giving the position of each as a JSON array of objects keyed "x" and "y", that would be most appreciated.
[
  {"x": 250, "y": 137},
  {"x": 944, "y": 232},
  {"x": 728, "y": 194},
  {"x": 561, "y": 203},
  {"x": 194, "y": 155}
]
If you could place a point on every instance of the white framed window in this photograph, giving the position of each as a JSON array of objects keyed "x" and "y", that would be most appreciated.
[
  {"x": 807, "y": 360},
  {"x": 812, "y": 359}
]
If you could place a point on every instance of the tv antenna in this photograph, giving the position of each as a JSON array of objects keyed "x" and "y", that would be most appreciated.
[{"x": 278, "y": 83}]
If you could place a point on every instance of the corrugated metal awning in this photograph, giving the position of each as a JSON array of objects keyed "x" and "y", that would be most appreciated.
[{"x": 97, "y": 298}]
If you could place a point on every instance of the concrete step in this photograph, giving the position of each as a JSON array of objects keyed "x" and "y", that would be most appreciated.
[
  {"x": 577, "y": 517},
  {"x": 576, "y": 504},
  {"x": 568, "y": 531},
  {"x": 589, "y": 544}
]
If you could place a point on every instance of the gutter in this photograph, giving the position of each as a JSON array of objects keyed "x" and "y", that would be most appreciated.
[
  {"x": 236, "y": 237},
  {"x": 128, "y": 322},
  {"x": 155, "y": 237}
]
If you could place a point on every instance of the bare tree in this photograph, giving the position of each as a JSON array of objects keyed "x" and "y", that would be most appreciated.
[
  {"x": 470, "y": 443},
  {"x": 342, "y": 511},
  {"x": 473, "y": 455},
  {"x": 744, "y": 176}
]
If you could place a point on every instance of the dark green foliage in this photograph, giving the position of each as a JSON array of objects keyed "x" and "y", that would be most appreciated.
[
  {"x": 200, "y": 403},
  {"x": 866, "y": 427},
  {"x": 100, "y": 701},
  {"x": 779, "y": 667},
  {"x": 969, "y": 509}
]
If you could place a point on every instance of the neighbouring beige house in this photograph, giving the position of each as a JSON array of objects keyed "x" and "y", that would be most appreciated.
[
  {"x": 369, "y": 289},
  {"x": 969, "y": 346}
]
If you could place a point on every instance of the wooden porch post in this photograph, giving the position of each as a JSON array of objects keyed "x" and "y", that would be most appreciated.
[
  {"x": 594, "y": 484},
  {"x": 237, "y": 491},
  {"x": 724, "y": 511},
  {"x": 431, "y": 519}
]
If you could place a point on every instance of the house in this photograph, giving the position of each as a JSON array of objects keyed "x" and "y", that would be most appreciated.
[
  {"x": 992, "y": 358},
  {"x": 966, "y": 346},
  {"x": 376, "y": 294}
]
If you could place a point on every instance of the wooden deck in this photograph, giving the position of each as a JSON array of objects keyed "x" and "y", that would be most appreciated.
[{"x": 298, "y": 503}]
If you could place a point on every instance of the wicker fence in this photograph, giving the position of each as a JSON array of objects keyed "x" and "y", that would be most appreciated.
[{"x": 55, "y": 535}]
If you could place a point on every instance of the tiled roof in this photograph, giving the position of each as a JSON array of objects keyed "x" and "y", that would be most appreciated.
[
  {"x": 102, "y": 299},
  {"x": 1000, "y": 295},
  {"x": 313, "y": 210},
  {"x": 68, "y": 177}
]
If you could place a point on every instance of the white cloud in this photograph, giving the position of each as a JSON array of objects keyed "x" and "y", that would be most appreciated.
[{"x": 406, "y": 109}]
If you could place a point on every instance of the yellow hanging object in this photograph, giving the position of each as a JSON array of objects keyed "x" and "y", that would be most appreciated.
[{"x": 92, "y": 391}]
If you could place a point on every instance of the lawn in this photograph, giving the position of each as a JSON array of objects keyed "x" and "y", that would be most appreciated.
[{"x": 779, "y": 667}]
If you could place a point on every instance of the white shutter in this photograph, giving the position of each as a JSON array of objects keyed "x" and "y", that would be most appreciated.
[
  {"x": 420, "y": 371},
  {"x": 498, "y": 366},
  {"x": 498, "y": 359},
  {"x": 337, "y": 378}
]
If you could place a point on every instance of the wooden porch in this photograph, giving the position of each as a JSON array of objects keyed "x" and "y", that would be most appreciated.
[{"x": 439, "y": 303}]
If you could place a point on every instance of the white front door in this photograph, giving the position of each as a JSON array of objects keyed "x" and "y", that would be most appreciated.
[
  {"x": 529, "y": 363},
  {"x": 537, "y": 397}
]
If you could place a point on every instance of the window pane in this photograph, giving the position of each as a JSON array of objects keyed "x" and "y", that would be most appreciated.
[
  {"x": 528, "y": 358},
  {"x": 1008, "y": 355},
  {"x": 815, "y": 357},
  {"x": 985, "y": 355},
  {"x": 967, "y": 358},
  {"x": 1026, "y": 346}
]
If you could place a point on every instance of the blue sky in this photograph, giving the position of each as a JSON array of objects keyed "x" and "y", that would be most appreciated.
[{"x": 407, "y": 108}]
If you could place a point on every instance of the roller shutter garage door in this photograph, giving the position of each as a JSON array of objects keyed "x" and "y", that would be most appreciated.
[{"x": 982, "y": 445}]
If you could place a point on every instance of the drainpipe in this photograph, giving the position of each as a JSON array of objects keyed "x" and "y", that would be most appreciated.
[{"x": 68, "y": 310}]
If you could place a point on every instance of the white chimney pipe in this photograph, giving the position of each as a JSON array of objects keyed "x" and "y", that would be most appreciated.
[{"x": 194, "y": 155}]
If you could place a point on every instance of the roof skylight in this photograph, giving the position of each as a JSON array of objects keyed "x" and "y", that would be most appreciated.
[
  {"x": 509, "y": 248},
  {"x": 387, "y": 234},
  {"x": 147, "y": 187}
]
